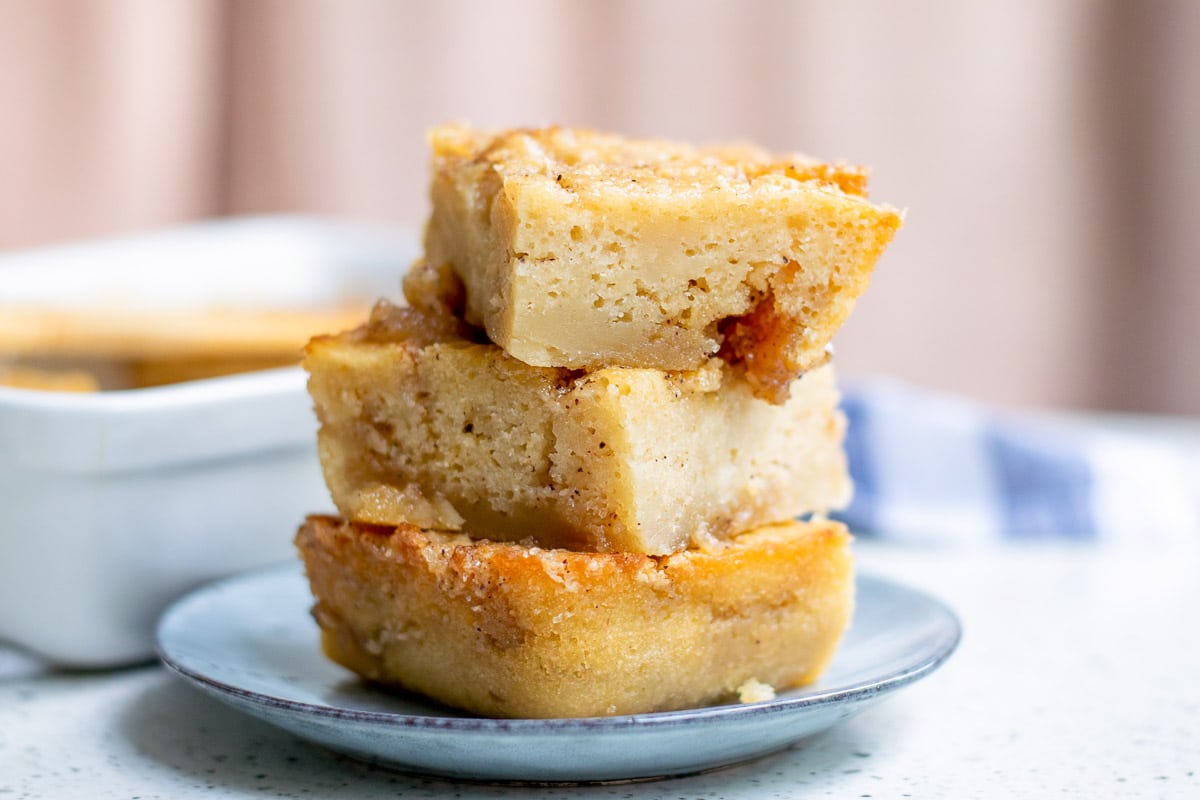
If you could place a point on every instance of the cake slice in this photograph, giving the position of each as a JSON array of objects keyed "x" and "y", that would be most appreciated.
[
  {"x": 504, "y": 630},
  {"x": 421, "y": 424},
  {"x": 582, "y": 250}
]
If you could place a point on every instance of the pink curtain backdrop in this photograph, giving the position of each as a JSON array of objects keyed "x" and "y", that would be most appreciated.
[{"x": 1048, "y": 153}]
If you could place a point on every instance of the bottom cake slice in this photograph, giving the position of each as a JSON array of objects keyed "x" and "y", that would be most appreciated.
[{"x": 506, "y": 630}]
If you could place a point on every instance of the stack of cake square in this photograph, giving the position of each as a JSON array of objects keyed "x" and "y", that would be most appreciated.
[{"x": 571, "y": 472}]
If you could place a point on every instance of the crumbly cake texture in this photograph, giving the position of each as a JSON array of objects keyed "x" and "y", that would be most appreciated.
[
  {"x": 420, "y": 424},
  {"x": 504, "y": 630},
  {"x": 582, "y": 250}
]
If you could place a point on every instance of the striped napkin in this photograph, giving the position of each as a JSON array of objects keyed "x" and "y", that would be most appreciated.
[{"x": 936, "y": 468}]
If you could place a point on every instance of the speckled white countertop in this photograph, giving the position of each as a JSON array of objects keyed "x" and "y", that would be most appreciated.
[{"x": 1078, "y": 675}]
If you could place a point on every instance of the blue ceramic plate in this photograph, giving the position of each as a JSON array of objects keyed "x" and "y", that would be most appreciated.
[{"x": 250, "y": 642}]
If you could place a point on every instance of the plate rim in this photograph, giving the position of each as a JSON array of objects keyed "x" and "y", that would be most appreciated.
[{"x": 937, "y": 653}]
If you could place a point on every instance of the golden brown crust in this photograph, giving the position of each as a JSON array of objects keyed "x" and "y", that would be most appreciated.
[
  {"x": 582, "y": 160},
  {"x": 506, "y": 630}
]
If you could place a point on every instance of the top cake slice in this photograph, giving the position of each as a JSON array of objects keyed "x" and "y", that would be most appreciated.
[{"x": 584, "y": 250}]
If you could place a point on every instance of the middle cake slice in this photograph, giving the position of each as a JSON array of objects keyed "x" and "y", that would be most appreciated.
[{"x": 422, "y": 424}]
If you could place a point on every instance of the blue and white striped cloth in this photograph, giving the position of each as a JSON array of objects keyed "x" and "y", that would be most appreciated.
[{"x": 934, "y": 468}]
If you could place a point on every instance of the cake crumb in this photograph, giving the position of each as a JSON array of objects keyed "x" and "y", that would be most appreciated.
[{"x": 755, "y": 691}]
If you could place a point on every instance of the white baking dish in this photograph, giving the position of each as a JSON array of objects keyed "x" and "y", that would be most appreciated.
[{"x": 114, "y": 503}]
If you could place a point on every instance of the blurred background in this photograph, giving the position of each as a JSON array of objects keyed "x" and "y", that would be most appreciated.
[{"x": 1048, "y": 154}]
